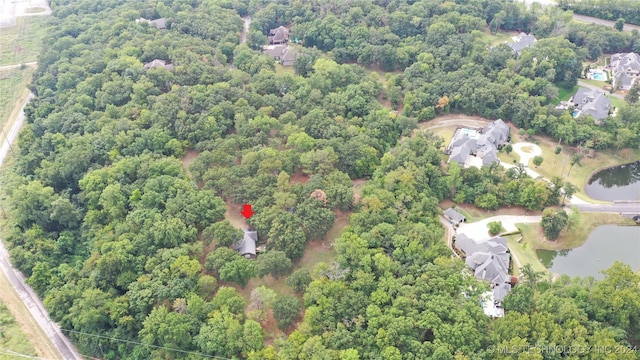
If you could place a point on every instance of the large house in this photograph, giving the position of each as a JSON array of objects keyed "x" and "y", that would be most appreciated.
[
  {"x": 158, "y": 63},
  {"x": 158, "y": 23},
  {"x": 453, "y": 216},
  {"x": 247, "y": 245},
  {"x": 591, "y": 102},
  {"x": 521, "y": 42},
  {"x": 279, "y": 35},
  {"x": 489, "y": 260},
  {"x": 284, "y": 54},
  {"x": 625, "y": 70},
  {"x": 479, "y": 148}
]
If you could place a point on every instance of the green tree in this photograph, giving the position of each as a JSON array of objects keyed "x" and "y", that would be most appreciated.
[
  {"x": 299, "y": 280},
  {"x": 633, "y": 95},
  {"x": 222, "y": 232},
  {"x": 494, "y": 227},
  {"x": 575, "y": 160},
  {"x": 286, "y": 310},
  {"x": 508, "y": 149},
  {"x": 568, "y": 191},
  {"x": 537, "y": 160},
  {"x": 553, "y": 221},
  {"x": 222, "y": 335},
  {"x": 239, "y": 270},
  {"x": 619, "y": 24},
  {"x": 274, "y": 262}
]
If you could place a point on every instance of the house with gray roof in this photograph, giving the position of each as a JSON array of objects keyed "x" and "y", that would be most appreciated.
[
  {"x": 454, "y": 216},
  {"x": 158, "y": 23},
  {"x": 158, "y": 63},
  {"x": 478, "y": 148},
  {"x": 489, "y": 260},
  {"x": 279, "y": 35},
  {"x": 521, "y": 42},
  {"x": 284, "y": 54},
  {"x": 247, "y": 245},
  {"x": 591, "y": 102},
  {"x": 625, "y": 68}
]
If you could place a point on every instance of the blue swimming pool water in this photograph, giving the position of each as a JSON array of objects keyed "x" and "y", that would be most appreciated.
[
  {"x": 599, "y": 76},
  {"x": 575, "y": 113}
]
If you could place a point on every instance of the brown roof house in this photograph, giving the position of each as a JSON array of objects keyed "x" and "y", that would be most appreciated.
[
  {"x": 279, "y": 35},
  {"x": 284, "y": 54},
  {"x": 158, "y": 63}
]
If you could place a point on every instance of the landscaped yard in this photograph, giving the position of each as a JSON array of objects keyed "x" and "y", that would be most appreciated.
[
  {"x": 280, "y": 70},
  {"x": 495, "y": 39},
  {"x": 21, "y": 43},
  {"x": 559, "y": 165},
  {"x": 524, "y": 252},
  {"x": 564, "y": 92},
  {"x": 573, "y": 237}
]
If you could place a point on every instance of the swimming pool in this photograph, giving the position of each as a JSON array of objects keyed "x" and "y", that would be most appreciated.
[
  {"x": 575, "y": 113},
  {"x": 599, "y": 76},
  {"x": 470, "y": 133}
]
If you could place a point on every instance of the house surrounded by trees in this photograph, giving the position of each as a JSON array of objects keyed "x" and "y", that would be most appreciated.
[
  {"x": 489, "y": 260},
  {"x": 625, "y": 69},
  {"x": 247, "y": 245}
]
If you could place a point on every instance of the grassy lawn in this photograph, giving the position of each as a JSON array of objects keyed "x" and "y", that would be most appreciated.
[
  {"x": 21, "y": 43},
  {"x": 495, "y": 39},
  {"x": 573, "y": 237},
  {"x": 281, "y": 70},
  {"x": 564, "y": 92},
  {"x": 617, "y": 103},
  {"x": 597, "y": 83},
  {"x": 445, "y": 133},
  {"x": 512, "y": 158},
  {"x": 525, "y": 253},
  {"x": 474, "y": 214},
  {"x": 12, "y": 337},
  {"x": 559, "y": 165}
]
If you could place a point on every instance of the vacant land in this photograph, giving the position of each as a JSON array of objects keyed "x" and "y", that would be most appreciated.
[
  {"x": 21, "y": 43},
  {"x": 564, "y": 92},
  {"x": 13, "y": 88},
  {"x": 498, "y": 38}
]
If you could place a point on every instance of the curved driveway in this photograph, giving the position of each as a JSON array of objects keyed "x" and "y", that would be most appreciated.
[{"x": 479, "y": 230}]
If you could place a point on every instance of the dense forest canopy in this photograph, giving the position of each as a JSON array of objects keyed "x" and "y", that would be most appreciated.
[{"x": 121, "y": 241}]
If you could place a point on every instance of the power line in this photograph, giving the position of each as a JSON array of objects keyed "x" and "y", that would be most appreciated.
[
  {"x": 17, "y": 354},
  {"x": 149, "y": 345}
]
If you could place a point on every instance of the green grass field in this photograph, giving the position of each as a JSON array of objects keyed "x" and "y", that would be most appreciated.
[
  {"x": 495, "y": 39},
  {"x": 559, "y": 165},
  {"x": 12, "y": 87},
  {"x": 21, "y": 43},
  {"x": 564, "y": 92},
  {"x": 281, "y": 70},
  {"x": 12, "y": 338}
]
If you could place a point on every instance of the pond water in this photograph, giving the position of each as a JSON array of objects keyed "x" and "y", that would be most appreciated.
[
  {"x": 605, "y": 245},
  {"x": 617, "y": 183}
]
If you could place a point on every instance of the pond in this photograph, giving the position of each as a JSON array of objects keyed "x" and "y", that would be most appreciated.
[
  {"x": 605, "y": 245},
  {"x": 621, "y": 182}
]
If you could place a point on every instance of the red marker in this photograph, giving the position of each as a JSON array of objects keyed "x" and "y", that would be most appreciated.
[{"x": 246, "y": 211}]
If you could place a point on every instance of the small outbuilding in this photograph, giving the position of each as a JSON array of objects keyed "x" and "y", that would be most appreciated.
[
  {"x": 247, "y": 245},
  {"x": 454, "y": 216}
]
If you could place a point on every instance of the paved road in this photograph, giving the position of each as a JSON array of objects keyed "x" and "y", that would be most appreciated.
[
  {"x": 589, "y": 19},
  {"x": 8, "y": 67},
  {"x": 632, "y": 208},
  {"x": 593, "y": 87},
  {"x": 26, "y": 293}
]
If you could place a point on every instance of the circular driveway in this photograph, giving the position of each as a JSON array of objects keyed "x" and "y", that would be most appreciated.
[{"x": 532, "y": 150}]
